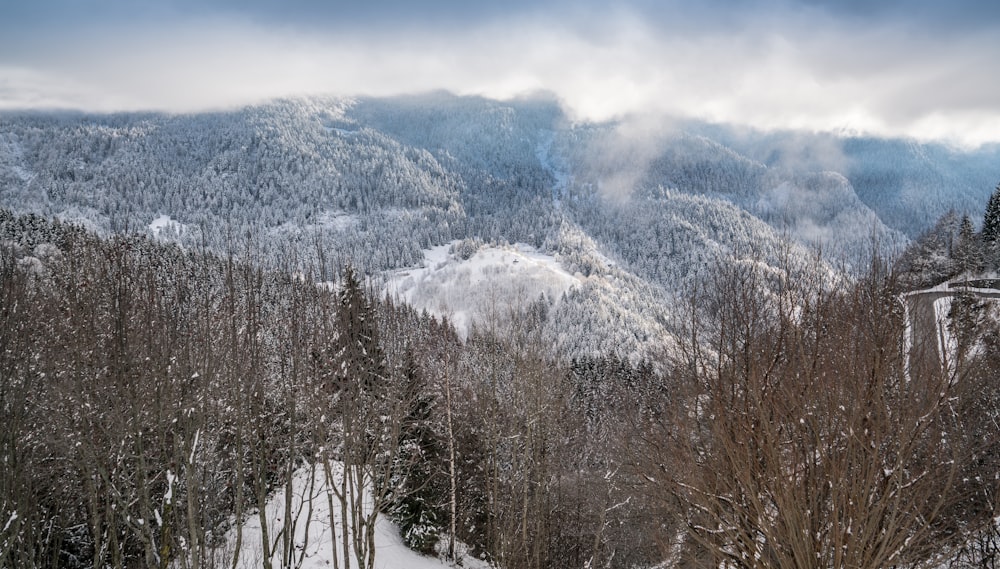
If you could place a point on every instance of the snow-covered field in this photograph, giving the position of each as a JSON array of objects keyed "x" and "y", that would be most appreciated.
[
  {"x": 315, "y": 540},
  {"x": 166, "y": 223},
  {"x": 486, "y": 285}
]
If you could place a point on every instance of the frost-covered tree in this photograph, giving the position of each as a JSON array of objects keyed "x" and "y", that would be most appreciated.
[
  {"x": 991, "y": 231},
  {"x": 930, "y": 258},
  {"x": 968, "y": 251}
]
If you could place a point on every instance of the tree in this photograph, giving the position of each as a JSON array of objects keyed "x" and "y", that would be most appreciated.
[
  {"x": 991, "y": 231},
  {"x": 373, "y": 414},
  {"x": 417, "y": 490},
  {"x": 929, "y": 259},
  {"x": 968, "y": 252},
  {"x": 358, "y": 346},
  {"x": 810, "y": 434},
  {"x": 991, "y": 218}
]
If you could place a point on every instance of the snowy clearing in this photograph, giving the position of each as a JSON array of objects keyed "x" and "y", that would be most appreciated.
[
  {"x": 341, "y": 132},
  {"x": 315, "y": 541},
  {"x": 337, "y": 220},
  {"x": 489, "y": 283},
  {"x": 166, "y": 223}
]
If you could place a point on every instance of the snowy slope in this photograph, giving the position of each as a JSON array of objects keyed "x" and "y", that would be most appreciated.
[
  {"x": 316, "y": 541},
  {"x": 166, "y": 224},
  {"x": 489, "y": 283}
]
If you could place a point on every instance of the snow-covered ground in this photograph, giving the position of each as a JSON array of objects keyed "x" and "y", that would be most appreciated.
[
  {"x": 947, "y": 345},
  {"x": 342, "y": 132},
  {"x": 326, "y": 221},
  {"x": 931, "y": 308},
  {"x": 486, "y": 285},
  {"x": 552, "y": 165},
  {"x": 12, "y": 158},
  {"x": 315, "y": 540},
  {"x": 338, "y": 220},
  {"x": 166, "y": 223}
]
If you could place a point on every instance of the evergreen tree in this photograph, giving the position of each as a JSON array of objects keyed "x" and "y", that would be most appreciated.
[
  {"x": 991, "y": 219},
  {"x": 417, "y": 480},
  {"x": 991, "y": 230},
  {"x": 359, "y": 349},
  {"x": 930, "y": 259},
  {"x": 968, "y": 251}
]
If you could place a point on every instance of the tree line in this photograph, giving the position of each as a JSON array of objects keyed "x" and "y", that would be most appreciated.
[{"x": 953, "y": 247}]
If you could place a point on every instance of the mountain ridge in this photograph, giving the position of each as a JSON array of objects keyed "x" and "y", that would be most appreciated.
[{"x": 376, "y": 182}]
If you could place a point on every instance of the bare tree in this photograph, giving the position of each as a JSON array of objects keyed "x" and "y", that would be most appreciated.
[{"x": 810, "y": 434}]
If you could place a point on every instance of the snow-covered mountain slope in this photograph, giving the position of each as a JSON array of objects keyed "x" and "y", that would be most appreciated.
[
  {"x": 640, "y": 213},
  {"x": 466, "y": 282},
  {"x": 816, "y": 208},
  {"x": 486, "y": 286},
  {"x": 908, "y": 184}
]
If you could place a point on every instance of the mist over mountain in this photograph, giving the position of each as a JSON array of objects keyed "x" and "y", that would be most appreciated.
[{"x": 636, "y": 209}]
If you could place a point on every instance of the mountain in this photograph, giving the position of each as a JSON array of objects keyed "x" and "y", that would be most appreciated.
[
  {"x": 638, "y": 211},
  {"x": 576, "y": 343}
]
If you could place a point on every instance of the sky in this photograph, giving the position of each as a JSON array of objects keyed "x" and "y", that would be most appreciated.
[{"x": 920, "y": 68}]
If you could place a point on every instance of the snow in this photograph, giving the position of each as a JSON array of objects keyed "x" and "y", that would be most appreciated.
[
  {"x": 490, "y": 283},
  {"x": 315, "y": 540},
  {"x": 12, "y": 157},
  {"x": 947, "y": 343},
  {"x": 166, "y": 223},
  {"x": 194, "y": 446},
  {"x": 553, "y": 166},
  {"x": 342, "y": 132},
  {"x": 23, "y": 173},
  {"x": 13, "y": 518},
  {"x": 327, "y": 220},
  {"x": 168, "y": 497},
  {"x": 338, "y": 220}
]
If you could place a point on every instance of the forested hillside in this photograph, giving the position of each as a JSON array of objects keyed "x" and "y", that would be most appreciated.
[
  {"x": 155, "y": 400},
  {"x": 154, "y": 397},
  {"x": 637, "y": 212}
]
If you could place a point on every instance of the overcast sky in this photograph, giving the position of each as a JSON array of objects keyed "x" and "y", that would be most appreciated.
[{"x": 929, "y": 69}]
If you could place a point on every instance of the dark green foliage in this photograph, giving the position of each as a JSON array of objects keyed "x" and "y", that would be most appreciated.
[
  {"x": 991, "y": 231},
  {"x": 953, "y": 247},
  {"x": 991, "y": 219},
  {"x": 419, "y": 468}
]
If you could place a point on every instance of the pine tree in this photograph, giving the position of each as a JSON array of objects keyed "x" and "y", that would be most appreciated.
[
  {"x": 359, "y": 348},
  {"x": 991, "y": 219},
  {"x": 968, "y": 252},
  {"x": 991, "y": 231},
  {"x": 416, "y": 478}
]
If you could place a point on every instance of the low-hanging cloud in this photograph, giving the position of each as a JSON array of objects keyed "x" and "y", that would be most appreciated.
[{"x": 791, "y": 66}]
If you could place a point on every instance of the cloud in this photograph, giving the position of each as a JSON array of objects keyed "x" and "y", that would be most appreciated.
[{"x": 818, "y": 65}]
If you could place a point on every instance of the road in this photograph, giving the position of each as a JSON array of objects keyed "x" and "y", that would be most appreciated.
[{"x": 925, "y": 328}]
